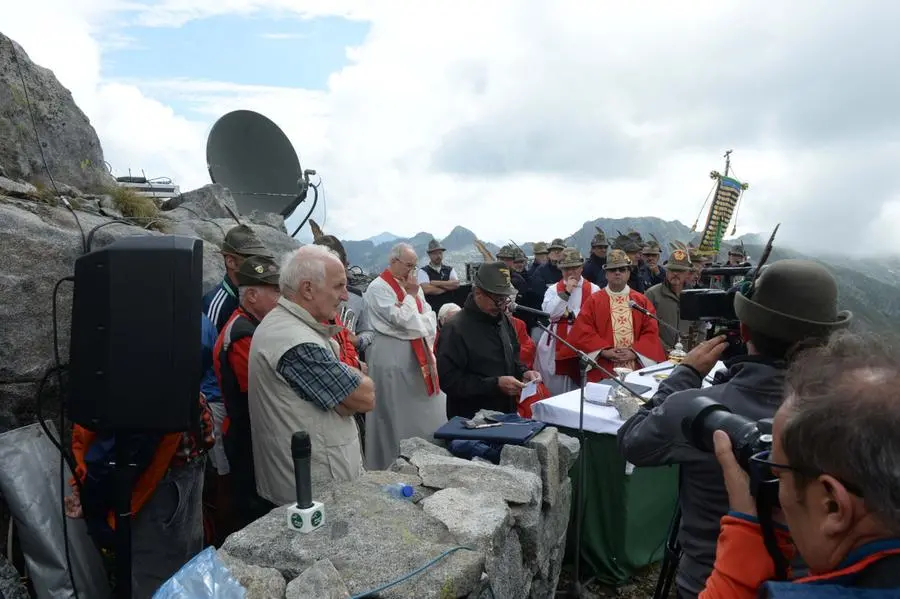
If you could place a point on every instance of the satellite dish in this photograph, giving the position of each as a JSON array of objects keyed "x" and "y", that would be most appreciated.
[{"x": 251, "y": 156}]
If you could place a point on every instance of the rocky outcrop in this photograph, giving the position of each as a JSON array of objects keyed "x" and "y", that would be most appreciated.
[
  {"x": 69, "y": 142},
  {"x": 40, "y": 240},
  {"x": 494, "y": 529},
  {"x": 11, "y": 586}
]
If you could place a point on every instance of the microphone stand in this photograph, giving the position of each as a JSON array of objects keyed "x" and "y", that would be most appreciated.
[{"x": 585, "y": 364}]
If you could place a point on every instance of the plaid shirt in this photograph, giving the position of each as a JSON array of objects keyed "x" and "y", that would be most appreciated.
[
  {"x": 191, "y": 447},
  {"x": 317, "y": 376}
]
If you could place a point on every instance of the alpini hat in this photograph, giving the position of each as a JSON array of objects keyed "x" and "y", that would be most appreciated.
[
  {"x": 507, "y": 252},
  {"x": 540, "y": 247},
  {"x": 571, "y": 258},
  {"x": 617, "y": 259},
  {"x": 519, "y": 255},
  {"x": 792, "y": 300},
  {"x": 557, "y": 244},
  {"x": 257, "y": 270},
  {"x": 495, "y": 278},
  {"x": 434, "y": 246},
  {"x": 599, "y": 240},
  {"x": 679, "y": 261},
  {"x": 652, "y": 248},
  {"x": 243, "y": 241}
]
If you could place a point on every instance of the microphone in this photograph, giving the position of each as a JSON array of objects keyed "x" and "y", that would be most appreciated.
[
  {"x": 636, "y": 306},
  {"x": 306, "y": 515},
  {"x": 301, "y": 450},
  {"x": 520, "y": 308}
]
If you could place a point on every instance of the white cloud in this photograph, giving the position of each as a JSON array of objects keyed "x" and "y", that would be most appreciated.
[
  {"x": 524, "y": 118},
  {"x": 283, "y": 36}
]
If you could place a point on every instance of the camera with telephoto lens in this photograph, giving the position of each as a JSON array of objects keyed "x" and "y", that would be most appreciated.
[{"x": 749, "y": 440}]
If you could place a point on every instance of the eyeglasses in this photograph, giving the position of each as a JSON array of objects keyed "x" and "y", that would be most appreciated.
[
  {"x": 762, "y": 470},
  {"x": 406, "y": 264}
]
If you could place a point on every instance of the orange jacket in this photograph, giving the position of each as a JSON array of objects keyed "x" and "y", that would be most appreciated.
[
  {"x": 146, "y": 482},
  {"x": 742, "y": 562}
]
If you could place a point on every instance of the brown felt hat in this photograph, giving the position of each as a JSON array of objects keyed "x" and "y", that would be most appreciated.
[
  {"x": 571, "y": 258},
  {"x": 679, "y": 261},
  {"x": 243, "y": 241},
  {"x": 617, "y": 259},
  {"x": 495, "y": 278},
  {"x": 258, "y": 270},
  {"x": 792, "y": 300}
]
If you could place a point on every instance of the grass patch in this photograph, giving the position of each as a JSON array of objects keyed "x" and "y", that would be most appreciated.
[{"x": 133, "y": 205}]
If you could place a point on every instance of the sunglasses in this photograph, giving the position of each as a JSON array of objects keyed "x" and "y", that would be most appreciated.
[
  {"x": 618, "y": 269},
  {"x": 761, "y": 470}
]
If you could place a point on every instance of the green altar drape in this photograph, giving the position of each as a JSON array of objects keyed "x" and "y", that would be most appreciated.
[{"x": 626, "y": 517}]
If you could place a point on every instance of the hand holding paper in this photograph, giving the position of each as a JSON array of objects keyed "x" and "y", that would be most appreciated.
[{"x": 531, "y": 388}]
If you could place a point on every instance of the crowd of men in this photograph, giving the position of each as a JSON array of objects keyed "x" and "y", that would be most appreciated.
[{"x": 279, "y": 359}]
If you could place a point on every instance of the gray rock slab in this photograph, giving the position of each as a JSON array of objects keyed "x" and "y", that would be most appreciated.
[
  {"x": 410, "y": 446},
  {"x": 209, "y": 201},
  {"x": 569, "y": 448},
  {"x": 403, "y": 466},
  {"x": 505, "y": 570},
  {"x": 17, "y": 188},
  {"x": 546, "y": 443},
  {"x": 259, "y": 582},
  {"x": 475, "y": 518},
  {"x": 319, "y": 581},
  {"x": 523, "y": 458},
  {"x": 370, "y": 538},
  {"x": 516, "y": 486},
  {"x": 11, "y": 586}
]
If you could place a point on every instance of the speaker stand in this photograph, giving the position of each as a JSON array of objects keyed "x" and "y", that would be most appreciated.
[
  {"x": 578, "y": 587},
  {"x": 124, "y": 483}
]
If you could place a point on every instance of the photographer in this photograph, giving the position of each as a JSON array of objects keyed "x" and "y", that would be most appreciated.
[
  {"x": 835, "y": 451},
  {"x": 792, "y": 301}
]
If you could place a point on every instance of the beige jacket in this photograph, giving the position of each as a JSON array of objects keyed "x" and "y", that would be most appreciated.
[{"x": 276, "y": 412}]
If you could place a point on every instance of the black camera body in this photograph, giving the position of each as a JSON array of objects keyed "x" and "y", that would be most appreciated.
[
  {"x": 748, "y": 438},
  {"x": 716, "y": 306}
]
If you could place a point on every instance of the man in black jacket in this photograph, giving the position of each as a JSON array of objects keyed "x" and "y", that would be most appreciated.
[
  {"x": 793, "y": 304},
  {"x": 478, "y": 351}
]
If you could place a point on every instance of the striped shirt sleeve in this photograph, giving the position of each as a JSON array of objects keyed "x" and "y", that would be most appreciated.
[{"x": 317, "y": 376}]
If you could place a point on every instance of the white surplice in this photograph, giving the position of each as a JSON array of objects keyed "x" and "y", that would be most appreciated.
[{"x": 557, "y": 307}]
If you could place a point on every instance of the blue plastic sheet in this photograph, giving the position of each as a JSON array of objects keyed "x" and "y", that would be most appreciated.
[{"x": 204, "y": 577}]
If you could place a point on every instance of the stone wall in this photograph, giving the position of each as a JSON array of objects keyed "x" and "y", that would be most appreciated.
[{"x": 512, "y": 518}]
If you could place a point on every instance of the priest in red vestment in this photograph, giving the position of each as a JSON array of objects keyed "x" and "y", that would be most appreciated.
[{"x": 608, "y": 326}]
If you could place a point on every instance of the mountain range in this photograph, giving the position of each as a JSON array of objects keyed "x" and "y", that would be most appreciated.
[{"x": 869, "y": 287}]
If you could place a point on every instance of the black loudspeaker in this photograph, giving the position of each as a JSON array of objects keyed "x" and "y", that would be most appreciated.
[{"x": 135, "y": 353}]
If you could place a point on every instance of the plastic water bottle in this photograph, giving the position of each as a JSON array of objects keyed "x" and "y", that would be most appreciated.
[{"x": 399, "y": 491}]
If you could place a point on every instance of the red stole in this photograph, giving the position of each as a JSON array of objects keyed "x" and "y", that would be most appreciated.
[
  {"x": 349, "y": 355},
  {"x": 527, "y": 348},
  {"x": 423, "y": 353},
  {"x": 566, "y": 365}
]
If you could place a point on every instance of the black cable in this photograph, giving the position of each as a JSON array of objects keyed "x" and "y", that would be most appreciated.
[
  {"x": 37, "y": 139},
  {"x": 120, "y": 221},
  {"x": 63, "y": 454},
  {"x": 315, "y": 189}
]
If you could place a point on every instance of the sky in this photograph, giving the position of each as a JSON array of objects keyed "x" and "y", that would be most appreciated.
[{"x": 513, "y": 118}]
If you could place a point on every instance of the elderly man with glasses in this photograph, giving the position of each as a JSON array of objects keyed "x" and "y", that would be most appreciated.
[
  {"x": 479, "y": 354},
  {"x": 400, "y": 360}
]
